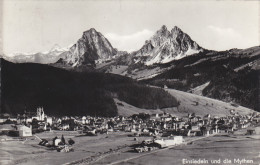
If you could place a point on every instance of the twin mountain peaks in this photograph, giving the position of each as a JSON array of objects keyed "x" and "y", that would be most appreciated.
[{"x": 164, "y": 46}]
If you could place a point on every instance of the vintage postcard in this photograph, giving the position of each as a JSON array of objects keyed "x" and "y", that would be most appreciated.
[{"x": 118, "y": 82}]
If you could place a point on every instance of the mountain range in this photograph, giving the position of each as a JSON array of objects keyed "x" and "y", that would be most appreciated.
[
  {"x": 170, "y": 59},
  {"x": 93, "y": 48}
]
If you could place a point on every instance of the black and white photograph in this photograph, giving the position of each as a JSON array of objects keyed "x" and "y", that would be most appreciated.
[{"x": 129, "y": 82}]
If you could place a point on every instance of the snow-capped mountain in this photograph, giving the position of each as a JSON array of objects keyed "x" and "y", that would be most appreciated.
[
  {"x": 165, "y": 46},
  {"x": 91, "y": 47},
  {"x": 46, "y": 57},
  {"x": 57, "y": 50}
]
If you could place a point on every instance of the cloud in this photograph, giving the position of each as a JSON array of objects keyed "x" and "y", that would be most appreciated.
[
  {"x": 224, "y": 38},
  {"x": 224, "y": 31},
  {"x": 129, "y": 42}
]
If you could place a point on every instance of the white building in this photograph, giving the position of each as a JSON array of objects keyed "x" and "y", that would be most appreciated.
[
  {"x": 170, "y": 142},
  {"x": 49, "y": 120},
  {"x": 84, "y": 120},
  {"x": 25, "y": 131}
]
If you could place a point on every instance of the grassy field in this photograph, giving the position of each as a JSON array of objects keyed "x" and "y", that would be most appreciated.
[
  {"x": 86, "y": 149},
  {"x": 221, "y": 148},
  {"x": 115, "y": 148}
]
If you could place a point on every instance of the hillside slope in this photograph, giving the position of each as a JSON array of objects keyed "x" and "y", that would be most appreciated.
[
  {"x": 230, "y": 76},
  {"x": 192, "y": 103},
  {"x": 61, "y": 92},
  {"x": 189, "y": 103}
]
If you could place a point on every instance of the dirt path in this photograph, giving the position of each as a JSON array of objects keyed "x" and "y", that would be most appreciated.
[
  {"x": 97, "y": 157},
  {"x": 120, "y": 149}
]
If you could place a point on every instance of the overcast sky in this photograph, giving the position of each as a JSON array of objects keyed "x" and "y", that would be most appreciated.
[{"x": 33, "y": 26}]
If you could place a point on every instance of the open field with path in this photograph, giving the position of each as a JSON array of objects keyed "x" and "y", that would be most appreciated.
[
  {"x": 219, "y": 147},
  {"x": 115, "y": 148}
]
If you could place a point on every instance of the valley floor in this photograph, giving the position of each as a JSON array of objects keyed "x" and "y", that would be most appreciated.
[
  {"x": 114, "y": 148},
  {"x": 227, "y": 149},
  {"x": 86, "y": 148}
]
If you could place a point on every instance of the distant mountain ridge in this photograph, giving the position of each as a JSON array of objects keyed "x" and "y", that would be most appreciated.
[{"x": 46, "y": 57}]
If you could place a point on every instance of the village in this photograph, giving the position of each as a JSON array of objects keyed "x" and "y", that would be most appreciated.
[{"x": 164, "y": 129}]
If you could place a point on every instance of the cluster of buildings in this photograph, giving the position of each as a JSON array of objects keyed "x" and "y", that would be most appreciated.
[
  {"x": 163, "y": 125},
  {"x": 191, "y": 125},
  {"x": 23, "y": 125}
]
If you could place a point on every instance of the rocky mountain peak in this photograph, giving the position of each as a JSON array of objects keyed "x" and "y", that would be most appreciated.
[
  {"x": 160, "y": 36},
  {"x": 90, "y": 34},
  {"x": 90, "y": 47},
  {"x": 92, "y": 30},
  {"x": 176, "y": 32},
  {"x": 162, "y": 32},
  {"x": 163, "y": 29},
  {"x": 176, "y": 29},
  {"x": 165, "y": 46}
]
